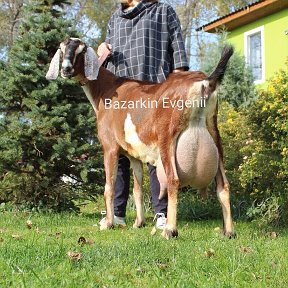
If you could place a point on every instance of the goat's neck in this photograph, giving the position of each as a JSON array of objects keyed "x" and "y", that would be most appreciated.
[{"x": 100, "y": 89}]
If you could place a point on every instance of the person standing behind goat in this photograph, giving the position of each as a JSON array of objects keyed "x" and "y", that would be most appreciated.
[{"x": 145, "y": 43}]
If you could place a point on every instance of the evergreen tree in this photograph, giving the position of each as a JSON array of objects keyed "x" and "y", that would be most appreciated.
[{"x": 47, "y": 128}]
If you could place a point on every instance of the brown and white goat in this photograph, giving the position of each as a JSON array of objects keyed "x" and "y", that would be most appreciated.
[{"x": 182, "y": 141}]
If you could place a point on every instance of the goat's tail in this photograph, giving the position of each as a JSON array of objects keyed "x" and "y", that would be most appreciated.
[{"x": 217, "y": 75}]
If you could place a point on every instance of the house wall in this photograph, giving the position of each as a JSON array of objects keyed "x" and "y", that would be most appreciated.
[{"x": 275, "y": 40}]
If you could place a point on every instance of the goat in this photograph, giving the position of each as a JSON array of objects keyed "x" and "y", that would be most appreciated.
[{"x": 184, "y": 144}]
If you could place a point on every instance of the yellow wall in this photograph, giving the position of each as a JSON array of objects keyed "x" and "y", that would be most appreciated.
[{"x": 275, "y": 40}]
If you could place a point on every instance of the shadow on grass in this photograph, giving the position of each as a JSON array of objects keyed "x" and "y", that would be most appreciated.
[
  {"x": 92, "y": 215},
  {"x": 192, "y": 207}
]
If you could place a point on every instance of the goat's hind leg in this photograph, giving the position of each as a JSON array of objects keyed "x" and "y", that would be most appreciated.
[
  {"x": 223, "y": 191},
  {"x": 111, "y": 156},
  {"x": 137, "y": 192},
  {"x": 223, "y": 194}
]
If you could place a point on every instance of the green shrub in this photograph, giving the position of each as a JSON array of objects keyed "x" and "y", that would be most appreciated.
[{"x": 256, "y": 154}]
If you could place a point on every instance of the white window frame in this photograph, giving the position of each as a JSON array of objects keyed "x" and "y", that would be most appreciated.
[{"x": 246, "y": 35}]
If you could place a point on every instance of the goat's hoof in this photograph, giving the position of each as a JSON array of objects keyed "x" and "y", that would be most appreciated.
[
  {"x": 169, "y": 233},
  {"x": 138, "y": 224},
  {"x": 230, "y": 234}
]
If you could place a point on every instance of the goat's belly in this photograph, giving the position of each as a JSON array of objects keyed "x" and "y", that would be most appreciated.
[{"x": 196, "y": 159}]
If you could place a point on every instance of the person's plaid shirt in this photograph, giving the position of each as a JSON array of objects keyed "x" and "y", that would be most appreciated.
[{"x": 146, "y": 42}]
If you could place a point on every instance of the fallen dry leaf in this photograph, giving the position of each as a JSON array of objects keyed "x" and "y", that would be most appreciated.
[
  {"x": 38, "y": 230},
  {"x": 257, "y": 277},
  {"x": 163, "y": 265},
  {"x": 272, "y": 235},
  {"x": 29, "y": 224},
  {"x": 75, "y": 256},
  {"x": 186, "y": 226},
  {"x": 246, "y": 250},
  {"x": 274, "y": 264},
  {"x": 140, "y": 270},
  {"x": 16, "y": 236},
  {"x": 2, "y": 230},
  {"x": 82, "y": 240},
  {"x": 57, "y": 234},
  {"x": 153, "y": 231},
  {"x": 209, "y": 253}
]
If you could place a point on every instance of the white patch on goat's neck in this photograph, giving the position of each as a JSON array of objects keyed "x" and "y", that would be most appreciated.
[
  {"x": 147, "y": 154},
  {"x": 89, "y": 95}
]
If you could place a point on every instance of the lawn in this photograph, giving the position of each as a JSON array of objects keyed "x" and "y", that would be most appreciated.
[{"x": 36, "y": 254}]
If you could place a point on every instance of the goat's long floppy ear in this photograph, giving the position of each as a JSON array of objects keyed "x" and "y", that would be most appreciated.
[
  {"x": 54, "y": 67},
  {"x": 91, "y": 64}
]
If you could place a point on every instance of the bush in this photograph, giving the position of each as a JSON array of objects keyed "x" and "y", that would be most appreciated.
[
  {"x": 256, "y": 154},
  {"x": 265, "y": 173},
  {"x": 29, "y": 193}
]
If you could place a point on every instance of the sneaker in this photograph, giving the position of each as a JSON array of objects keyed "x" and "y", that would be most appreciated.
[
  {"x": 117, "y": 220},
  {"x": 160, "y": 221}
]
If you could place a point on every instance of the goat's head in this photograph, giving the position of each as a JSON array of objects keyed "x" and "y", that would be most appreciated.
[{"x": 76, "y": 59}]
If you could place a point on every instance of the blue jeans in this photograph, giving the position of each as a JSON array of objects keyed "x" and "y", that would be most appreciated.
[{"x": 122, "y": 189}]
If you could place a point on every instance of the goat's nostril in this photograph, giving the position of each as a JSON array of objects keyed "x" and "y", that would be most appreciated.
[{"x": 67, "y": 69}]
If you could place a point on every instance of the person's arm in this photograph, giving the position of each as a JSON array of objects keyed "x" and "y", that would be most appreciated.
[
  {"x": 105, "y": 47},
  {"x": 177, "y": 47}
]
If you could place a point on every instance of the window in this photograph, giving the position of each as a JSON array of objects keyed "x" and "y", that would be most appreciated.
[{"x": 254, "y": 53}]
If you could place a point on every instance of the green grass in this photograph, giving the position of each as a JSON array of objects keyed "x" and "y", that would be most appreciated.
[{"x": 134, "y": 258}]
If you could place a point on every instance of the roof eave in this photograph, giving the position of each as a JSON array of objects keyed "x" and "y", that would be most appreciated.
[{"x": 245, "y": 15}]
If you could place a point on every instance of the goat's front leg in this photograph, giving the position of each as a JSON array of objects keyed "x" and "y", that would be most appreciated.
[
  {"x": 137, "y": 192},
  {"x": 173, "y": 184},
  {"x": 111, "y": 157}
]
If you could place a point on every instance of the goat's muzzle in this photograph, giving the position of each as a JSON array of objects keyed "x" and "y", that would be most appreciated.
[{"x": 67, "y": 72}]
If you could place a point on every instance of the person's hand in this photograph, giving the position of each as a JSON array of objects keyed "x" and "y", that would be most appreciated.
[{"x": 104, "y": 48}]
